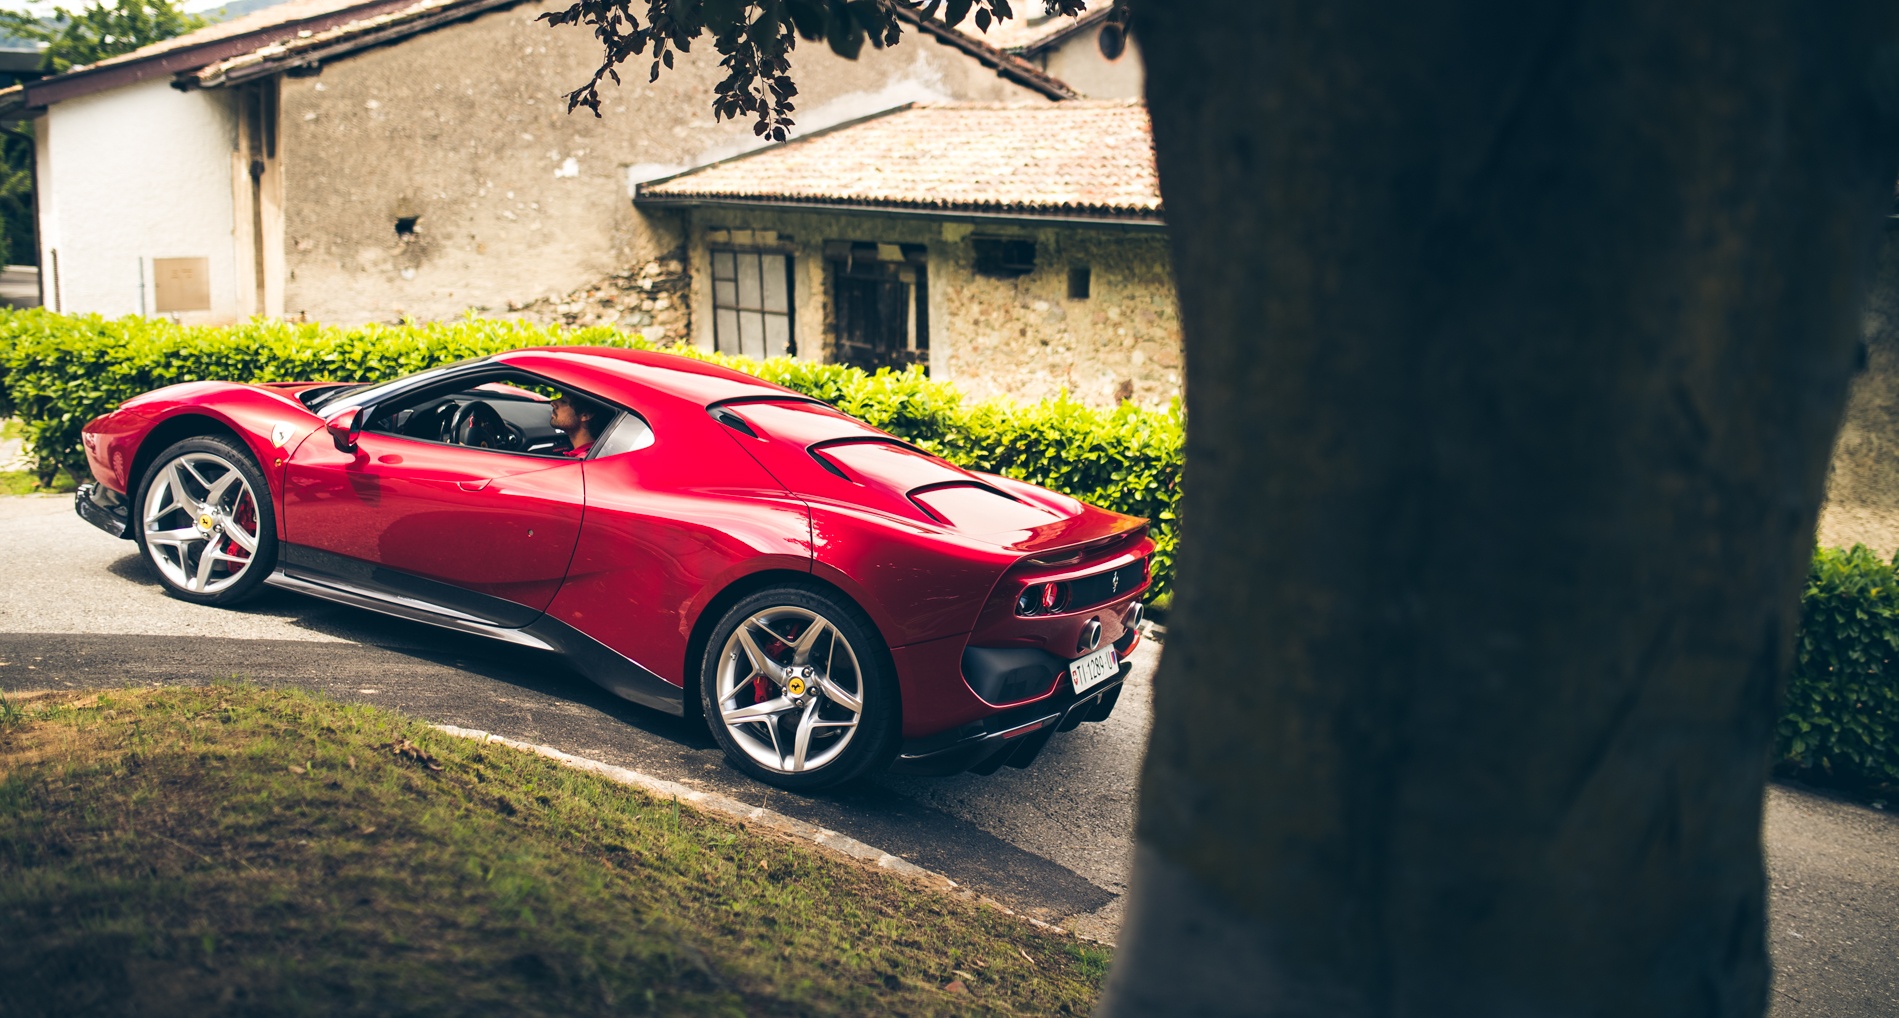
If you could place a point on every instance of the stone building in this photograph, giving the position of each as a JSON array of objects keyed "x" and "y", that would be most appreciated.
[
  {"x": 1015, "y": 248},
  {"x": 348, "y": 162},
  {"x": 371, "y": 161}
]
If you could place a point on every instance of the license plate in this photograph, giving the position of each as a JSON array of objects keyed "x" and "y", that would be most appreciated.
[{"x": 1088, "y": 672}]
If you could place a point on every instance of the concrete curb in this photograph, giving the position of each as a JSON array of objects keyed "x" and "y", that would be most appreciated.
[{"x": 712, "y": 802}]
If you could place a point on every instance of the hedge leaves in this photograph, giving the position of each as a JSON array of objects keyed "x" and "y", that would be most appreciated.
[
  {"x": 59, "y": 371},
  {"x": 1842, "y": 714}
]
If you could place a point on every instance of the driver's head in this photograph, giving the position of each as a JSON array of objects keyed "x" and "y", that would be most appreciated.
[{"x": 572, "y": 412}]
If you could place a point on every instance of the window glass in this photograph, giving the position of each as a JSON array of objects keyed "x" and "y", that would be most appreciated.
[
  {"x": 628, "y": 433},
  {"x": 777, "y": 332},
  {"x": 776, "y": 298},
  {"x": 751, "y": 303},
  {"x": 503, "y": 411},
  {"x": 362, "y": 395},
  {"x": 751, "y": 330},
  {"x": 750, "y": 293}
]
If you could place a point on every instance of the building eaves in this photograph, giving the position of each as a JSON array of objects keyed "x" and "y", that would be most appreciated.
[
  {"x": 1065, "y": 215},
  {"x": 310, "y": 50},
  {"x": 1007, "y": 66},
  {"x": 196, "y": 49},
  {"x": 302, "y": 33},
  {"x": 1074, "y": 161},
  {"x": 1030, "y": 43}
]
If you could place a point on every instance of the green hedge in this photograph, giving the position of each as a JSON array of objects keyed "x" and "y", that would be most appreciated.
[
  {"x": 1842, "y": 714},
  {"x": 59, "y": 371}
]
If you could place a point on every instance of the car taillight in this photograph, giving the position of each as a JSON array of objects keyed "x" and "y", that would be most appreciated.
[{"x": 1042, "y": 599}]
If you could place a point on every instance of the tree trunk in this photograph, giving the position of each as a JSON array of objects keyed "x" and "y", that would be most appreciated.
[{"x": 1517, "y": 335}]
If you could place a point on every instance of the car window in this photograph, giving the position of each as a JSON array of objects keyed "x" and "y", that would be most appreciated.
[
  {"x": 360, "y": 394},
  {"x": 628, "y": 433},
  {"x": 503, "y": 410}
]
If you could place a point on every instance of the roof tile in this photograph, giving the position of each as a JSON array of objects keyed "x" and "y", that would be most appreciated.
[{"x": 1073, "y": 158}]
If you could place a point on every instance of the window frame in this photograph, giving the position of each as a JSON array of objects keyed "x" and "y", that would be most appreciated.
[
  {"x": 460, "y": 377},
  {"x": 713, "y": 251}
]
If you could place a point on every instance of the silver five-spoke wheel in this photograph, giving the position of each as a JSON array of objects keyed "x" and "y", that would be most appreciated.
[
  {"x": 790, "y": 690},
  {"x": 201, "y": 524}
]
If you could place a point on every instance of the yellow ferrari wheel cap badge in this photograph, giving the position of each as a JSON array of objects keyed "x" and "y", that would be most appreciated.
[
  {"x": 206, "y": 521},
  {"x": 795, "y": 687}
]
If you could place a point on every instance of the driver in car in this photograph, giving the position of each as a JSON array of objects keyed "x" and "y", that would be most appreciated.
[{"x": 582, "y": 420}]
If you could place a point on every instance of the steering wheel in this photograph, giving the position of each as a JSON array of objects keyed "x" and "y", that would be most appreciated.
[
  {"x": 430, "y": 423},
  {"x": 480, "y": 426}
]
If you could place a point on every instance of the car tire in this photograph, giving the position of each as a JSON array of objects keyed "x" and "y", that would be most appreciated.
[
  {"x": 206, "y": 497},
  {"x": 821, "y": 710}
]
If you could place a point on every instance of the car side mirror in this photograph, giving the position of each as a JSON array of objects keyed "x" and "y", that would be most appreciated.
[{"x": 345, "y": 427}]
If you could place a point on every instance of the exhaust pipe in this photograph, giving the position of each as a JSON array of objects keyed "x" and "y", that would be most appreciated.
[
  {"x": 1136, "y": 614},
  {"x": 1090, "y": 635}
]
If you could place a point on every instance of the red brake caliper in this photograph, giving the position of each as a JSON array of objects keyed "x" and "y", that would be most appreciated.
[
  {"x": 760, "y": 685},
  {"x": 246, "y": 517}
]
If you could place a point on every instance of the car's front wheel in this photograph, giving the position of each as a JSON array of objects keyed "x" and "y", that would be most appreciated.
[
  {"x": 204, "y": 521},
  {"x": 797, "y": 689}
]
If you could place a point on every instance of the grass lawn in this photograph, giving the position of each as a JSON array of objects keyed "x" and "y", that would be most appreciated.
[
  {"x": 234, "y": 850},
  {"x": 23, "y": 482}
]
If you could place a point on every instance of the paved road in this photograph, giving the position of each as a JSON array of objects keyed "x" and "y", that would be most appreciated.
[
  {"x": 1833, "y": 885},
  {"x": 77, "y": 609},
  {"x": 20, "y": 286}
]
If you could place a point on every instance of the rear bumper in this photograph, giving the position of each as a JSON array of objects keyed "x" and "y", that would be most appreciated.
[
  {"x": 1014, "y": 737},
  {"x": 103, "y": 508}
]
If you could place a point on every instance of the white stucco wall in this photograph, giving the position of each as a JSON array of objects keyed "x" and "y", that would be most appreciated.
[
  {"x": 143, "y": 171},
  {"x": 1079, "y": 62}
]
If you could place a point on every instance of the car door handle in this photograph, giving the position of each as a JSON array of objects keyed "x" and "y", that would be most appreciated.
[{"x": 473, "y": 485}]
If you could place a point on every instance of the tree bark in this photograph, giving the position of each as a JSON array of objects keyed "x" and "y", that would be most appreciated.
[{"x": 1517, "y": 336}]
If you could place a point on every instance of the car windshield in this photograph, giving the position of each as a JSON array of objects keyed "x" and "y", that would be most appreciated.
[
  {"x": 316, "y": 397},
  {"x": 363, "y": 393}
]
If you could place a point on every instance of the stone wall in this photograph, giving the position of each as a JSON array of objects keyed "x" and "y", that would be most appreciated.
[
  {"x": 652, "y": 299},
  {"x": 1025, "y": 339},
  {"x": 1022, "y": 338},
  {"x": 1862, "y": 504},
  {"x": 444, "y": 172}
]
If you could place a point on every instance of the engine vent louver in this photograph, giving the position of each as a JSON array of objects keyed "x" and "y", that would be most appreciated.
[
  {"x": 733, "y": 421},
  {"x": 827, "y": 464}
]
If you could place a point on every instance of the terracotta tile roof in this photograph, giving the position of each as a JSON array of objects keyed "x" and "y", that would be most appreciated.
[{"x": 1068, "y": 159}]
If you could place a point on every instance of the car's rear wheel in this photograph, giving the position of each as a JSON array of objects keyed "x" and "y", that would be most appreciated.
[
  {"x": 205, "y": 524},
  {"x": 797, "y": 689}
]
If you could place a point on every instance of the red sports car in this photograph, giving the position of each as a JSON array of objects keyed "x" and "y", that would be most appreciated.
[{"x": 829, "y": 597}]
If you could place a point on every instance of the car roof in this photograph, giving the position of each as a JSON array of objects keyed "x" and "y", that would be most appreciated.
[{"x": 684, "y": 378}]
